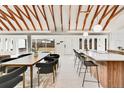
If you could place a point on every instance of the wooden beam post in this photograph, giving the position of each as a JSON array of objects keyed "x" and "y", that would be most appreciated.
[
  {"x": 61, "y": 17},
  {"x": 89, "y": 8},
  {"x": 52, "y": 13},
  {"x": 69, "y": 17},
  {"x": 110, "y": 18},
  {"x": 78, "y": 14},
  {"x": 97, "y": 12}
]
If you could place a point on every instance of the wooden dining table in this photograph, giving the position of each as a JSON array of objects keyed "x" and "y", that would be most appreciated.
[{"x": 29, "y": 61}]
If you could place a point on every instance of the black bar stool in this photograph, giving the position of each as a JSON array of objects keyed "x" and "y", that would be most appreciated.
[
  {"x": 75, "y": 57},
  {"x": 80, "y": 61},
  {"x": 89, "y": 64}
]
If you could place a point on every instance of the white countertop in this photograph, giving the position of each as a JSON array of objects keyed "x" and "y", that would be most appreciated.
[{"x": 103, "y": 56}]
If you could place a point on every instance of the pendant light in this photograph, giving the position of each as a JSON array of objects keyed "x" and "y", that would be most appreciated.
[
  {"x": 97, "y": 27},
  {"x": 85, "y": 33}
]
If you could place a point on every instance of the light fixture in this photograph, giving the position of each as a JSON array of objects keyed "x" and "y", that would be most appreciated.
[
  {"x": 51, "y": 39},
  {"x": 97, "y": 28},
  {"x": 43, "y": 41},
  {"x": 85, "y": 33}
]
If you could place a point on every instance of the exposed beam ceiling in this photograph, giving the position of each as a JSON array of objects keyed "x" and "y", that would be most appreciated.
[{"x": 43, "y": 17}]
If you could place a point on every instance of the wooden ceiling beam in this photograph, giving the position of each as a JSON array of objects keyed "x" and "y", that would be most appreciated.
[
  {"x": 1, "y": 11},
  {"x": 45, "y": 18},
  {"x": 103, "y": 15},
  {"x": 7, "y": 28},
  {"x": 1, "y": 28},
  {"x": 109, "y": 11},
  {"x": 18, "y": 10},
  {"x": 61, "y": 17},
  {"x": 29, "y": 17},
  {"x": 35, "y": 15},
  {"x": 89, "y": 8},
  {"x": 43, "y": 13},
  {"x": 6, "y": 19},
  {"x": 97, "y": 12},
  {"x": 52, "y": 13},
  {"x": 78, "y": 14},
  {"x": 119, "y": 11},
  {"x": 69, "y": 17},
  {"x": 13, "y": 17},
  {"x": 106, "y": 13},
  {"x": 111, "y": 16}
]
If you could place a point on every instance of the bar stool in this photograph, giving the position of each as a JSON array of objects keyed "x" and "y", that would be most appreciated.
[
  {"x": 89, "y": 64},
  {"x": 81, "y": 66},
  {"x": 75, "y": 57},
  {"x": 80, "y": 61}
]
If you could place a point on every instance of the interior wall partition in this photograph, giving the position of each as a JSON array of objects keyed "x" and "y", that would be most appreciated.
[{"x": 13, "y": 44}]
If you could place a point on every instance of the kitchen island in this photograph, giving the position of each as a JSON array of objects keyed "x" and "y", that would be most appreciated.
[{"x": 111, "y": 68}]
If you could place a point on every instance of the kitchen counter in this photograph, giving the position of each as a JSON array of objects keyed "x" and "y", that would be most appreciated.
[{"x": 110, "y": 66}]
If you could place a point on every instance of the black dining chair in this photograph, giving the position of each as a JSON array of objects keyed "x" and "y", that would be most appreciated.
[
  {"x": 56, "y": 57},
  {"x": 11, "y": 79},
  {"x": 6, "y": 69},
  {"x": 53, "y": 56},
  {"x": 46, "y": 68}
]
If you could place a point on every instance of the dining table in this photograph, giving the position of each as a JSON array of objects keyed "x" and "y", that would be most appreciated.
[{"x": 28, "y": 61}]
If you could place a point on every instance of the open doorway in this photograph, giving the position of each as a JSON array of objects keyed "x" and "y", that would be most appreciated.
[{"x": 43, "y": 45}]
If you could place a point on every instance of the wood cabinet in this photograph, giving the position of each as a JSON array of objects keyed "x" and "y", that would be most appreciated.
[
  {"x": 110, "y": 66},
  {"x": 111, "y": 74}
]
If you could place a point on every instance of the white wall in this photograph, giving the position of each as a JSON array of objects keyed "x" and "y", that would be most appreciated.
[
  {"x": 71, "y": 42},
  {"x": 117, "y": 39}
]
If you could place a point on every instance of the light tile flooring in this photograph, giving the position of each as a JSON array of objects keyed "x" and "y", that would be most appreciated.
[{"x": 67, "y": 76}]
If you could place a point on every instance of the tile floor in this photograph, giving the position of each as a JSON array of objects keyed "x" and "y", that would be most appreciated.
[{"x": 67, "y": 76}]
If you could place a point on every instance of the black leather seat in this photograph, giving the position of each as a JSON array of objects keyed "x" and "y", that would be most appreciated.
[
  {"x": 11, "y": 79},
  {"x": 46, "y": 68},
  {"x": 89, "y": 63},
  {"x": 53, "y": 56}
]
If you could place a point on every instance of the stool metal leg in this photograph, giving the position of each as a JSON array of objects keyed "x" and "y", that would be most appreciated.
[
  {"x": 90, "y": 71},
  {"x": 80, "y": 68},
  {"x": 78, "y": 65},
  {"x": 84, "y": 76},
  {"x": 97, "y": 76},
  {"x": 75, "y": 61},
  {"x": 38, "y": 79}
]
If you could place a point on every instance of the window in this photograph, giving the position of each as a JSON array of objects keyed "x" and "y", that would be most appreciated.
[
  {"x": 95, "y": 44},
  {"x": 105, "y": 44},
  {"x": 85, "y": 44},
  {"x": 90, "y": 44},
  {"x": 80, "y": 43}
]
